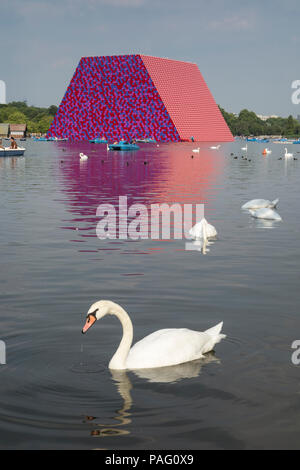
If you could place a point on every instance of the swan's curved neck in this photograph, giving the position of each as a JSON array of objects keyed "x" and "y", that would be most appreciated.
[{"x": 118, "y": 361}]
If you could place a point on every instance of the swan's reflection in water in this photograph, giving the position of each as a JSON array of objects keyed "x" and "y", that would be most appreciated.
[
  {"x": 264, "y": 223},
  {"x": 199, "y": 245},
  {"x": 124, "y": 387},
  {"x": 170, "y": 374}
]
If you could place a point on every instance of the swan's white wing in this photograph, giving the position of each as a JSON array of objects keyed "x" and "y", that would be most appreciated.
[
  {"x": 168, "y": 347},
  {"x": 198, "y": 230},
  {"x": 211, "y": 231},
  {"x": 265, "y": 213},
  {"x": 257, "y": 204}
]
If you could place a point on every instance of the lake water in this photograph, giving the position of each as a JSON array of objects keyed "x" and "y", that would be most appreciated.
[{"x": 56, "y": 390}]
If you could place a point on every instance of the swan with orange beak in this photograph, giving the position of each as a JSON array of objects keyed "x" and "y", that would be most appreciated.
[{"x": 162, "y": 348}]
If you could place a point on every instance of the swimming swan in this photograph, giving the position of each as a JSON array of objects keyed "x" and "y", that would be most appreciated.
[
  {"x": 260, "y": 204},
  {"x": 287, "y": 155},
  {"x": 197, "y": 150},
  {"x": 83, "y": 157},
  {"x": 265, "y": 213},
  {"x": 203, "y": 230},
  {"x": 245, "y": 148},
  {"x": 162, "y": 348},
  {"x": 215, "y": 148}
]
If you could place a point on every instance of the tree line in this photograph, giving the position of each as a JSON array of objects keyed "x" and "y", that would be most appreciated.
[
  {"x": 38, "y": 120},
  {"x": 246, "y": 123}
]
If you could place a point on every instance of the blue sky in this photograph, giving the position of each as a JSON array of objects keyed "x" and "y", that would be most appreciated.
[{"x": 247, "y": 51}]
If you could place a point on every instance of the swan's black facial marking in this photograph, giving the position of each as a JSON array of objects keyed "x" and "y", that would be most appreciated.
[{"x": 92, "y": 314}]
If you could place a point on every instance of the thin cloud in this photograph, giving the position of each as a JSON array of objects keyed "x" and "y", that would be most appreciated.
[
  {"x": 112, "y": 3},
  {"x": 234, "y": 23}
]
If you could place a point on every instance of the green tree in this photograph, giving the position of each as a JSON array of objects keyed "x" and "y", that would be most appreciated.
[
  {"x": 16, "y": 117},
  {"x": 52, "y": 110},
  {"x": 45, "y": 123}
]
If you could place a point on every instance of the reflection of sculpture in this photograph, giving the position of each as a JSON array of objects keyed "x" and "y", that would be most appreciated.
[{"x": 87, "y": 186}]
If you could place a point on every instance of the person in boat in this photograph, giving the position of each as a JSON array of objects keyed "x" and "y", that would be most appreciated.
[
  {"x": 13, "y": 143},
  {"x": 1, "y": 146}
]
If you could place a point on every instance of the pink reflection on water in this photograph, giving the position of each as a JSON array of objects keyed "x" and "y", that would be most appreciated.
[{"x": 152, "y": 175}]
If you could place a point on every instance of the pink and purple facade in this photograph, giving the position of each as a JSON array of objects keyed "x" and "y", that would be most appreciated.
[{"x": 137, "y": 96}]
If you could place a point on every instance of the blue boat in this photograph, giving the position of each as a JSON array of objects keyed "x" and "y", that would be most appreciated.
[
  {"x": 254, "y": 139},
  {"x": 147, "y": 141},
  {"x": 98, "y": 141},
  {"x": 123, "y": 146},
  {"x": 8, "y": 152},
  {"x": 296, "y": 142},
  {"x": 49, "y": 139}
]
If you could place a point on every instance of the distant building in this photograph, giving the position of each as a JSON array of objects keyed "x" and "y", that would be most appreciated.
[
  {"x": 137, "y": 97},
  {"x": 18, "y": 130},
  {"x": 264, "y": 118},
  {"x": 4, "y": 130},
  {"x": 2, "y": 92}
]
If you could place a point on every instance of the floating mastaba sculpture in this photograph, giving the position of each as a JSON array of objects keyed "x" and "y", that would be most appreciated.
[{"x": 138, "y": 97}]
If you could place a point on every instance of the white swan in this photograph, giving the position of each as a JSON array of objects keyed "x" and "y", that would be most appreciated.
[
  {"x": 215, "y": 148},
  {"x": 288, "y": 155},
  {"x": 83, "y": 156},
  {"x": 265, "y": 213},
  {"x": 268, "y": 151},
  {"x": 162, "y": 348},
  {"x": 203, "y": 230},
  {"x": 197, "y": 150},
  {"x": 245, "y": 148},
  {"x": 260, "y": 204}
]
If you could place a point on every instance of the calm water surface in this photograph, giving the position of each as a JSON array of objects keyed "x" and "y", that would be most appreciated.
[{"x": 56, "y": 390}]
